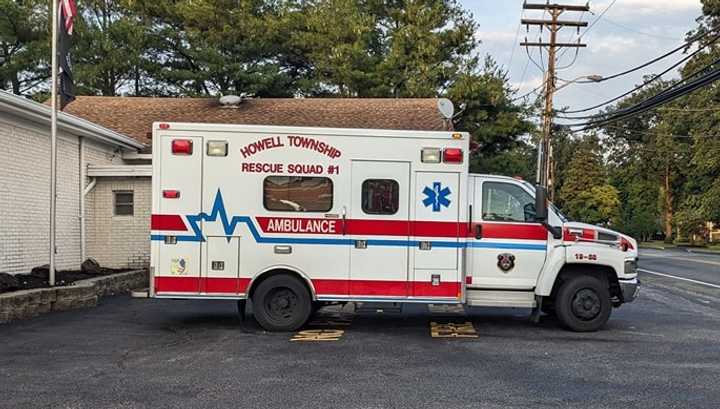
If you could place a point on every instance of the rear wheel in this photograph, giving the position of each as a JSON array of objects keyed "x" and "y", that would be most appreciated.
[
  {"x": 281, "y": 303},
  {"x": 583, "y": 303}
]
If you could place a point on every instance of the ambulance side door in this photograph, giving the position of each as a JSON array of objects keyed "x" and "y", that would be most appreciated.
[
  {"x": 179, "y": 265},
  {"x": 509, "y": 247},
  {"x": 436, "y": 232}
]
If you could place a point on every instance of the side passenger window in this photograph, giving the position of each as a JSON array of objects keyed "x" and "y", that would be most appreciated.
[
  {"x": 380, "y": 196},
  {"x": 506, "y": 202}
]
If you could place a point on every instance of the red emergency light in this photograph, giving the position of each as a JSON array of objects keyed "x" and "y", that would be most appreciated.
[
  {"x": 182, "y": 147},
  {"x": 453, "y": 155},
  {"x": 171, "y": 194}
]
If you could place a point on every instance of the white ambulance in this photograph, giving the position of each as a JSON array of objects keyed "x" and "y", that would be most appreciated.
[{"x": 293, "y": 218}]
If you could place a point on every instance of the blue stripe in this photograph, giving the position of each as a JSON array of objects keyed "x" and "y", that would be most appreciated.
[
  {"x": 509, "y": 246},
  {"x": 376, "y": 242}
]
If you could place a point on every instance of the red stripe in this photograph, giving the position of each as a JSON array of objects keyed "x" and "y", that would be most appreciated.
[
  {"x": 519, "y": 231},
  {"x": 530, "y": 231},
  {"x": 167, "y": 222},
  {"x": 323, "y": 287},
  {"x": 208, "y": 285},
  {"x": 177, "y": 284}
]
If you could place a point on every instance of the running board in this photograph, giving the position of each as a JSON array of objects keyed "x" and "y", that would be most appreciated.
[{"x": 499, "y": 298}]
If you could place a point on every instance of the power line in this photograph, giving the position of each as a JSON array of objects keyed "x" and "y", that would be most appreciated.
[
  {"x": 615, "y": 23},
  {"x": 580, "y": 37},
  {"x": 517, "y": 35},
  {"x": 666, "y": 96},
  {"x": 654, "y": 60},
  {"x": 639, "y": 87},
  {"x": 599, "y": 17},
  {"x": 649, "y": 133}
]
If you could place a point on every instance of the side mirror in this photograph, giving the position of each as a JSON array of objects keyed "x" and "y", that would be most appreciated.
[{"x": 541, "y": 205}]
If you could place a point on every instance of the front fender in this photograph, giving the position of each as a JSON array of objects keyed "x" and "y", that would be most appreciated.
[{"x": 579, "y": 253}]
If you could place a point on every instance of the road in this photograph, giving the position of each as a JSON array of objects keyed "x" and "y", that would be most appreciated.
[{"x": 662, "y": 351}]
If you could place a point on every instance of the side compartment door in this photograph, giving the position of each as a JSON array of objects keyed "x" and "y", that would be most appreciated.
[
  {"x": 510, "y": 249},
  {"x": 436, "y": 230},
  {"x": 221, "y": 248},
  {"x": 179, "y": 264},
  {"x": 379, "y": 228}
]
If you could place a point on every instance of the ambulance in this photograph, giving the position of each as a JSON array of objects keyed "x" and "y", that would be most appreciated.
[{"x": 294, "y": 218}]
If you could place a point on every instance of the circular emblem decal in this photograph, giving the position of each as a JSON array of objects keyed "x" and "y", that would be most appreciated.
[{"x": 506, "y": 261}]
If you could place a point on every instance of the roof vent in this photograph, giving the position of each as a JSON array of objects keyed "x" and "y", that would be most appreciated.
[{"x": 231, "y": 101}]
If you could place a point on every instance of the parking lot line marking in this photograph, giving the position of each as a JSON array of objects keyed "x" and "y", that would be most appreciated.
[
  {"x": 317, "y": 335},
  {"x": 452, "y": 330},
  {"x": 642, "y": 270},
  {"x": 712, "y": 263}
]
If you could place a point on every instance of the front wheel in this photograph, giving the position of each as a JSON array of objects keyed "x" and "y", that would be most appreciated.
[
  {"x": 583, "y": 303},
  {"x": 281, "y": 303}
]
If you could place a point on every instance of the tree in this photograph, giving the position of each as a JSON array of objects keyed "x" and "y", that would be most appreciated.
[
  {"x": 208, "y": 47},
  {"x": 586, "y": 193},
  {"x": 499, "y": 127},
  {"x": 24, "y": 45},
  {"x": 108, "y": 49}
]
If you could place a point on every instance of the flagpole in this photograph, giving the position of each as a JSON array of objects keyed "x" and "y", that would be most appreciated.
[{"x": 53, "y": 142}]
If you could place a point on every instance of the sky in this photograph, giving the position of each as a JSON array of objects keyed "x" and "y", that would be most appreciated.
[{"x": 629, "y": 34}]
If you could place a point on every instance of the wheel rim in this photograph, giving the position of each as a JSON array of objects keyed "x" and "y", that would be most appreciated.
[
  {"x": 586, "y": 304},
  {"x": 280, "y": 305}
]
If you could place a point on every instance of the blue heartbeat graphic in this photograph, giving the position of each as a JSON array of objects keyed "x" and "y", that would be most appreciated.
[
  {"x": 437, "y": 197},
  {"x": 217, "y": 210}
]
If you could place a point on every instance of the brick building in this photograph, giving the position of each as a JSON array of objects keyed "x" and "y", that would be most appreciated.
[
  {"x": 118, "y": 178},
  {"x": 25, "y": 181}
]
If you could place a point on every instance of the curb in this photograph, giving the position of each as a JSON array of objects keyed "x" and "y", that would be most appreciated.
[
  {"x": 18, "y": 305},
  {"x": 710, "y": 252}
]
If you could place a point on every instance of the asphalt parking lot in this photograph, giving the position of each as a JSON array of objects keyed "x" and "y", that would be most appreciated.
[{"x": 661, "y": 351}]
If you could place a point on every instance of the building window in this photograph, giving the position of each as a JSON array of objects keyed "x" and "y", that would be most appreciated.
[
  {"x": 380, "y": 196},
  {"x": 297, "y": 194},
  {"x": 124, "y": 202}
]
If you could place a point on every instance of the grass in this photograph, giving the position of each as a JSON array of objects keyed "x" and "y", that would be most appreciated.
[{"x": 661, "y": 245}]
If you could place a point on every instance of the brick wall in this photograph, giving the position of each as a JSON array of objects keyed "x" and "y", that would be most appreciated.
[
  {"x": 119, "y": 241},
  {"x": 25, "y": 194}
]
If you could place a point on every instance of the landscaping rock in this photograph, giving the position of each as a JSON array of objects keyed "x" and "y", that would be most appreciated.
[
  {"x": 8, "y": 282},
  {"x": 91, "y": 266}
]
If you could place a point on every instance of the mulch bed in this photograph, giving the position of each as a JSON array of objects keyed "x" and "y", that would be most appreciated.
[{"x": 38, "y": 278}]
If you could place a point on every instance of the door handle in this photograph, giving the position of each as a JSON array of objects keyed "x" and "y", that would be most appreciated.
[
  {"x": 360, "y": 244},
  {"x": 344, "y": 220},
  {"x": 478, "y": 231}
]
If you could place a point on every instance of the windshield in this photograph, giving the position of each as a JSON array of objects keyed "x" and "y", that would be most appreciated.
[{"x": 554, "y": 208}]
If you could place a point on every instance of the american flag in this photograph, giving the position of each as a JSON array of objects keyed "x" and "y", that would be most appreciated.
[{"x": 68, "y": 11}]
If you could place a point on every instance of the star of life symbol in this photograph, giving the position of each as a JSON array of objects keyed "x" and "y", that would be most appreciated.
[{"x": 437, "y": 196}]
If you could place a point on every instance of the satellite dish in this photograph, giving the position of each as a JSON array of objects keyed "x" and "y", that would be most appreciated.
[{"x": 446, "y": 108}]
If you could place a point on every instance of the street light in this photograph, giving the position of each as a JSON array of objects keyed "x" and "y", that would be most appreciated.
[{"x": 589, "y": 78}]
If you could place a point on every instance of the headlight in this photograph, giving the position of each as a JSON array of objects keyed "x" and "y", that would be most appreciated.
[{"x": 630, "y": 267}]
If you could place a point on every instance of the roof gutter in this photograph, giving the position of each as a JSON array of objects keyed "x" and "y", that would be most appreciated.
[{"x": 40, "y": 113}]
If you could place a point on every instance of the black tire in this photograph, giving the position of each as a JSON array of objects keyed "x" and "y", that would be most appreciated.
[
  {"x": 583, "y": 303},
  {"x": 281, "y": 303}
]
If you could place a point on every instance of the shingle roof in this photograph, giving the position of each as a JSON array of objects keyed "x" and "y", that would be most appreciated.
[{"x": 133, "y": 116}]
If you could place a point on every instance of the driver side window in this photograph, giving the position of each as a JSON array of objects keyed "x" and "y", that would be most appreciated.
[{"x": 506, "y": 202}]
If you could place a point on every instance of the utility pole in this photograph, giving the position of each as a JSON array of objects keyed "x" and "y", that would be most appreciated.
[{"x": 554, "y": 25}]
